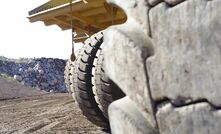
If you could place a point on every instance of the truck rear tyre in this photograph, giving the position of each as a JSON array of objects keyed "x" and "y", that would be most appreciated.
[
  {"x": 67, "y": 73},
  {"x": 91, "y": 88},
  {"x": 82, "y": 81},
  {"x": 105, "y": 90}
]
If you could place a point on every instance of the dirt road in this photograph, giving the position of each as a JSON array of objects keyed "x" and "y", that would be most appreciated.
[{"x": 41, "y": 113}]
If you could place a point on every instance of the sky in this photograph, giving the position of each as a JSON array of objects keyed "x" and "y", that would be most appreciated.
[{"x": 21, "y": 39}]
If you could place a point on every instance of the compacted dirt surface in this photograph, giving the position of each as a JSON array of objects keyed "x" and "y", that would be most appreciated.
[{"x": 40, "y": 112}]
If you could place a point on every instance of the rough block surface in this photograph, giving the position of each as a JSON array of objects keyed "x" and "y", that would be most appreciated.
[
  {"x": 135, "y": 46},
  {"x": 125, "y": 114},
  {"x": 174, "y": 77},
  {"x": 186, "y": 65},
  {"x": 199, "y": 118}
]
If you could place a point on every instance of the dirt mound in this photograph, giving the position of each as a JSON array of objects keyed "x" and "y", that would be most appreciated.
[{"x": 12, "y": 89}]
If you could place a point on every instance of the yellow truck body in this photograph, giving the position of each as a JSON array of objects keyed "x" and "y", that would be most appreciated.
[{"x": 84, "y": 16}]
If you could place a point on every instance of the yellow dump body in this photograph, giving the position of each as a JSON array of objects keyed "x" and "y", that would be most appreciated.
[{"x": 86, "y": 16}]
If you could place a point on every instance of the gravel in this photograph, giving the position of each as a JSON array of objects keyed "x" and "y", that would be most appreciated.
[{"x": 42, "y": 73}]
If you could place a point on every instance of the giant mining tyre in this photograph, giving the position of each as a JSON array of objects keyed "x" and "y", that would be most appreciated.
[
  {"x": 105, "y": 90},
  {"x": 81, "y": 80},
  {"x": 67, "y": 73},
  {"x": 90, "y": 86}
]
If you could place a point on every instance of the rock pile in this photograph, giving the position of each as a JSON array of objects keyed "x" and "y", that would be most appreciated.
[{"x": 42, "y": 73}]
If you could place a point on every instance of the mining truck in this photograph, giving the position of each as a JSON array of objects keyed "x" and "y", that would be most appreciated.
[
  {"x": 146, "y": 66},
  {"x": 84, "y": 73}
]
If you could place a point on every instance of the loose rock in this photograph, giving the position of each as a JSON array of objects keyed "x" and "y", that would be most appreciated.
[{"x": 43, "y": 73}]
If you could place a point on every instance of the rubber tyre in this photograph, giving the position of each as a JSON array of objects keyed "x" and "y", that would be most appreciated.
[
  {"x": 106, "y": 91},
  {"x": 67, "y": 74},
  {"x": 82, "y": 81}
]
